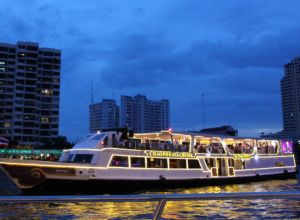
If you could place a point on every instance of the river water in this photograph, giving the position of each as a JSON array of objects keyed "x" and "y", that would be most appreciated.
[{"x": 233, "y": 209}]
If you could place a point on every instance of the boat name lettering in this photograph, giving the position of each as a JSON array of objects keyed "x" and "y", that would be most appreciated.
[
  {"x": 242, "y": 156},
  {"x": 169, "y": 154},
  {"x": 62, "y": 170}
]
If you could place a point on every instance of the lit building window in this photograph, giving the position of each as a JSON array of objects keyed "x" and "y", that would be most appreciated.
[
  {"x": 45, "y": 120},
  {"x": 2, "y": 62},
  {"x": 6, "y": 124},
  {"x": 2, "y": 69},
  {"x": 46, "y": 92}
]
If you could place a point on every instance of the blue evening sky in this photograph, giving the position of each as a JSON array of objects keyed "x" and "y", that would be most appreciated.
[{"x": 231, "y": 51}]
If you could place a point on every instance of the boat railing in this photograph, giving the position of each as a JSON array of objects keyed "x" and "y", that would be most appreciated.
[
  {"x": 162, "y": 199},
  {"x": 143, "y": 147}
]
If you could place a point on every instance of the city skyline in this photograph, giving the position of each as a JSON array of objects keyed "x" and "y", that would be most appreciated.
[
  {"x": 137, "y": 113},
  {"x": 231, "y": 52}
]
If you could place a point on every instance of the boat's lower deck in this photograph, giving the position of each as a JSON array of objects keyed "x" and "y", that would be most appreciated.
[
  {"x": 32, "y": 174},
  {"x": 57, "y": 186},
  {"x": 131, "y": 171}
]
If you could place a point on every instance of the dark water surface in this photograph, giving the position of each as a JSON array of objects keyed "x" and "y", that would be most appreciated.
[{"x": 233, "y": 209}]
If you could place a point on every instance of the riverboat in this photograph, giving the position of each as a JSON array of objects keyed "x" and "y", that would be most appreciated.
[{"x": 111, "y": 160}]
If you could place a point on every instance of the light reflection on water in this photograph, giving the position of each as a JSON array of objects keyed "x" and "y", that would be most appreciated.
[{"x": 237, "y": 209}]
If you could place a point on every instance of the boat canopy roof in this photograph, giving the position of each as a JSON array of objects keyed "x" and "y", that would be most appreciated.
[
  {"x": 105, "y": 139},
  {"x": 90, "y": 141},
  {"x": 188, "y": 135}
]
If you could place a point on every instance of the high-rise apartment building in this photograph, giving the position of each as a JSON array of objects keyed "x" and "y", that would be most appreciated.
[
  {"x": 104, "y": 115},
  {"x": 290, "y": 94},
  {"x": 143, "y": 115},
  {"x": 29, "y": 93}
]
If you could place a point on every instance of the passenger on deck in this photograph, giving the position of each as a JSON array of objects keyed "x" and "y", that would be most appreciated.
[
  {"x": 172, "y": 148},
  {"x": 155, "y": 145},
  {"x": 238, "y": 148},
  {"x": 214, "y": 149},
  {"x": 166, "y": 146},
  {"x": 267, "y": 149},
  {"x": 202, "y": 148},
  {"x": 179, "y": 148},
  {"x": 126, "y": 144},
  {"x": 160, "y": 146},
  {"x": 275, "y": 148},
  {"x": 147, "y": 145},
  {"x": 230, "y": 148}
]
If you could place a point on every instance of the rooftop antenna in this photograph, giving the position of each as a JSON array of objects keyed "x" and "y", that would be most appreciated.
[{"x": 203, "y": 122}]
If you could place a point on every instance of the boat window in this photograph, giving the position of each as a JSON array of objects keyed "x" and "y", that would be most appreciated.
[
  {"x": 209, "y": 162},
  {"x": 217, "y": 148},
  {"x": 194, "y": 164},
  {"x": 137, "y": 162},
  {"x": 239, "y": 164},
  {"x": 177, "y": 163},
  {"x": 231, "y": 162},
  {"x": 240, "y": 146},
  {"x": 83, "y": 158},
  {"x": 70, "y": 158},
  {"x": 267, "y": 147},
  {"x": 157, "y": 163},
  {"x": 201, "y": 148},
  {"x": 119, "y": 161},
  {"x": 184, "y": 147},
  {"x": 213, "y": 147}
]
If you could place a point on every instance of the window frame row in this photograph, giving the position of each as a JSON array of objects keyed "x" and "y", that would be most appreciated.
[{"x": 139, "y": 162}]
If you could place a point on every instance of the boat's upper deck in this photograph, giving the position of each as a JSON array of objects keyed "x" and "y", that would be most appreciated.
[{"x": 197, "y": 143}]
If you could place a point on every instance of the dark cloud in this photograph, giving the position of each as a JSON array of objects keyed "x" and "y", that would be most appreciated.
[
  {"x": 271, "y": 50},
  {"x": 141, "y": 56},
  {"x": 153, "y": 58}
]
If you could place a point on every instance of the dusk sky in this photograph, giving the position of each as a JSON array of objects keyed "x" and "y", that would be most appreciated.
[{"x": 232, "y": 51}]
